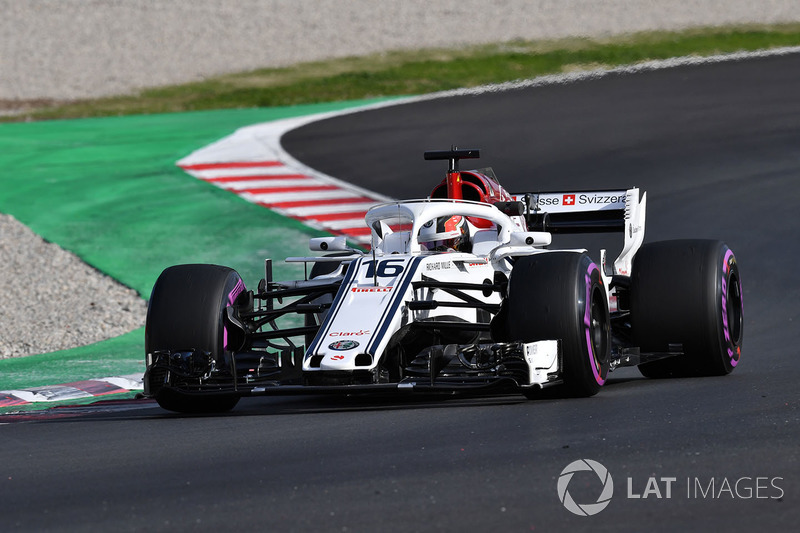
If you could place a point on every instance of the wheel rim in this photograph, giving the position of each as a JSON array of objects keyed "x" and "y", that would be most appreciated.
[{"x": 734, "y": 310}]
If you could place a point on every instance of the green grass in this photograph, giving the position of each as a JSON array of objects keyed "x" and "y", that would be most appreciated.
[{"x": 419, "y": 72}]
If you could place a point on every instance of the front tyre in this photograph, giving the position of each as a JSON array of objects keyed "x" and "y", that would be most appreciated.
[
  {"x": 186, "y": 312},
  {"x": 560, "y": 295},
  {"x": 688, "y": 293}
]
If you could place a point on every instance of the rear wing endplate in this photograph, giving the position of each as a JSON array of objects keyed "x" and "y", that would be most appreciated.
[{"x": 590, "y": 212}]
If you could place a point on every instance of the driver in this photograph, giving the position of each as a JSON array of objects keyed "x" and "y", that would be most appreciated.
[{"x": 445, "y": 234}]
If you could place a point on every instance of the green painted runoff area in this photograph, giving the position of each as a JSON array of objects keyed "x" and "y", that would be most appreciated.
[{"x": 108, "y": 190}]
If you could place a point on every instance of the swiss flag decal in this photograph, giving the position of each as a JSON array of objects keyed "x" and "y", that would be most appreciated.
[{"x": 569, "y": 199}]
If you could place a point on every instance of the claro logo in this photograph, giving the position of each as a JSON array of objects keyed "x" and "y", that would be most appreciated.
[{"x": 349, "y": 333}]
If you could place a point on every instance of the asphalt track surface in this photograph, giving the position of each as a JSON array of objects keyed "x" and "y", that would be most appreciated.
[{"x": 716, "y": 147}]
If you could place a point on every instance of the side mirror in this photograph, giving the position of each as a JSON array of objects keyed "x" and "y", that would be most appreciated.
[
  {"x": 329, "y": 244},
  {"x": 512, "y": 209},
  {"x": 531, "y": 238}
]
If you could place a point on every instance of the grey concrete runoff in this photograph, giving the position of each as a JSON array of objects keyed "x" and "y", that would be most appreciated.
[{"x": 64, "y": 49}]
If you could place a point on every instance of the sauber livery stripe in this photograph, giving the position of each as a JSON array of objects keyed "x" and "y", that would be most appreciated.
[
  {"x": 352, "y": 271},
  {"x": 400, "y": 289},
  {"x": 394, "y": 304}
]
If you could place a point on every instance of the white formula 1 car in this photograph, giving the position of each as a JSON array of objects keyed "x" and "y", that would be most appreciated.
[{"x": 458, "y": 292}]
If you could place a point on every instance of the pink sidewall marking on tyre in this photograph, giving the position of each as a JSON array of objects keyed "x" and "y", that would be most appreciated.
[
  {"x": 726, "y": 267},
  {"x": 587, "y": 321}
]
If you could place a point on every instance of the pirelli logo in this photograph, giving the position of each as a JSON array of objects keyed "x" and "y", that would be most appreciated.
[{"x": 371, "y": 289}]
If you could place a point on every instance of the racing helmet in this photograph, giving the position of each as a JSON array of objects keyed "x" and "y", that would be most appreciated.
[{"x": 445, "y": 234}]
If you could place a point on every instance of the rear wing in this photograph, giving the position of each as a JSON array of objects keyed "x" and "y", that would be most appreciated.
[{"x": 590, "y": 212}]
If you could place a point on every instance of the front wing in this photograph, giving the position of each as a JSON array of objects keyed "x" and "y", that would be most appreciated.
[{"x": 441, "y": 368}]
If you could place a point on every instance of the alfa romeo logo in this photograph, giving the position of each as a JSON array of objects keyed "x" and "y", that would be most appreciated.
[
  {"x": 344, "y": 345},
  {"x": 585, "y": 509}
]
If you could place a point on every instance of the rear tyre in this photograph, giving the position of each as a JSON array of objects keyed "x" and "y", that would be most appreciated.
[
  {"x": 687, "y": 292},
  {"x": 186, "y": 312},
  {"x": 560, "y": 295}
]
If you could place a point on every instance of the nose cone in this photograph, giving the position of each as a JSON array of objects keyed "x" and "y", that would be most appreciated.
[{"x": 340, "y": 355}]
